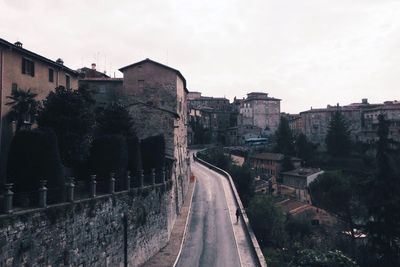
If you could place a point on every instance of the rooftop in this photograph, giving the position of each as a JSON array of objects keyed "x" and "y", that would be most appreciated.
[
  {"x": 302, "y": 172},
  {"x": 18, "y": 48}
]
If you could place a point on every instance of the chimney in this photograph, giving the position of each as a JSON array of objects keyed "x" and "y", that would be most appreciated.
[
  {"x": 93, "y": 66},
  {"x": 18, "y": 43},
  {"x": 364, "y": 100},
  {"x": 60, "y": 61}
]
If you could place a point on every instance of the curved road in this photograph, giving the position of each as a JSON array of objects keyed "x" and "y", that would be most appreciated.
[{"x": 210, "y": 240}]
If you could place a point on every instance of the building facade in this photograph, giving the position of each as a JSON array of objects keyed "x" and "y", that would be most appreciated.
[
  {"x": 24, "y": 69},
  {"x": 260, "y": 110},
  {"x": 156, "y": 96}
]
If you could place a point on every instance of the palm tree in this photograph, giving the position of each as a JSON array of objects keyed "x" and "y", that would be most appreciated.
[{"x": 23, "y": 104}]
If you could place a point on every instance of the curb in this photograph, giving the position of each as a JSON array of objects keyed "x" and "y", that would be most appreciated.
[
  {"x": 186, "y": 225},
  {"x": 256, "y": 247}
]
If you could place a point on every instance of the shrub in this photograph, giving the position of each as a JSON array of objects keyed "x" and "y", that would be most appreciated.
[
  {"x": 153, "y": 153},
  {"x": 134, "y": 156},
  {"x": 34, "y": 156},
  {"x": 109, "y": 154}
]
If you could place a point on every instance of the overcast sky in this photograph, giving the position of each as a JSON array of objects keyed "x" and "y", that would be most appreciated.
[{"x": 305, "y": 52}]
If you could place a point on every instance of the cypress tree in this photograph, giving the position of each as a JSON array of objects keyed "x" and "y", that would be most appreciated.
[{"x": 337, "y": 140}]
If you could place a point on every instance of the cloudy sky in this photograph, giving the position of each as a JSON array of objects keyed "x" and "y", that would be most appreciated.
[{"x": 306, "y": 52}]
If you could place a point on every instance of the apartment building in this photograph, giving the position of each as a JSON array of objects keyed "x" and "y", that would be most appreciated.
[{"x": 23, "y": 69}]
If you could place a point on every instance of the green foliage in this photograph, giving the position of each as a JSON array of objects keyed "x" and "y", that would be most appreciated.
[
  {"x": 153, "y": 153},
  {"x": 284, "y": 138},
  {"x": 134, "y": 156},
  {"x": 114, "y": 119},
  {"x": 109, "y": 154},
  {"x": 216, "y": 157},
  {"x": 23, "y": 106},
  {"x": 267, "y": 221},
  {"x": 243, "y": 178},
  {"x": 304, "y": 148},
  {"x": 69, "y": 114},
  {"x": 383, "y": 201},
  {"x": 337, "y": 140},
  {"x": 339, "y": 193},
  {"x": 287, "y": 164},
  {"x": 34, "y": 156},
  {"x": 316, "y": 258},
  {"x": 297, "y": 228}
]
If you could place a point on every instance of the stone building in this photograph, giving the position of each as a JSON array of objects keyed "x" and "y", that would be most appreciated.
[
  {"x": 105, "y": 90},
  {"x": 315, "y": 122},
  {"x": 300, "y": 179},
  {"x": 391, "y": 111},
  {"x": 214, "y": 114},
  {"x": 270, "y": 164},
  {"x": 156, "y": 96},
  {"x": 23, "y": 69},
  {"x": 260, "y": 110}
]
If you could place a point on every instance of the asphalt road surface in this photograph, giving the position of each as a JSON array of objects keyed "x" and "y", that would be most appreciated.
[{"x": 209, "y": 239}]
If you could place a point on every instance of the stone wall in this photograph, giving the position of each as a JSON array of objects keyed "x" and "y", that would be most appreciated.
[{"x": 93, "y": 232}]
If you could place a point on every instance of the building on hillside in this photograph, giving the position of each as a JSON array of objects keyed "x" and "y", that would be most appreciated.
[
  {"x": 156, "y": 96},
  {"x": 391, "y": 111},
  {"x": 295, "y": 123},
  {"x": 300, "y": 179},
  {"x": 23, "y": 69},
  {"x": 260, "y": 110},
  {"x": 105, "y": 90},
  {"x": 237, "y": 135},
  {"x": 212, "y": 114},
  {"x": 315, "y": 215},
  {"x": 85, "y": 73},
  {"x": 315, "y": 122},
  {"x": 270, "y": 164}
]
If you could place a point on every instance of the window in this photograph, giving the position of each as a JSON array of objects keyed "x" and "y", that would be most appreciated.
[
  {"x": 28, "y": 67},
  {"x": 14, "y": 86},
  {"x": 51, "y": 75},
  {"x": 67, "y": 82},
  {"x": 141, "y": 84}
]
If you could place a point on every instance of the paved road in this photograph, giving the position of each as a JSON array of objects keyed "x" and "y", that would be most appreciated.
[{"x": 210, "y": 239}]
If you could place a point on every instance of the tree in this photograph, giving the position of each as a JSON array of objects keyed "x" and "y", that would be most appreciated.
[
  {"x": 316, "y": 258},
  {"x": 69, "y": 114},
  {"x": 23, "y": 105},
  {"x": 267, "y": 221},
  {"x": 339, "y": 193},
  {"x": 109, "y": 154},
  {"x": 114, "y": 119},
  {"x": 284, "y": 138},
  {"x": 304, "y": 149},
  {"x": 244, "y": 181},
  {"x": 384, "y": 201},
  {"x": 34, "y": 156},
  {"x": 337, "y": 139}
]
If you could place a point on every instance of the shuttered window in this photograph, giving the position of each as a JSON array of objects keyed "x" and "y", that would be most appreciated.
[{"x": 28, "y": 67}]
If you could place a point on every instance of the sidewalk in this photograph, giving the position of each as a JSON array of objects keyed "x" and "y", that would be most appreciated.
[
  {"x": 166, "y": 256},
  {"x": 246, "y": 254}
]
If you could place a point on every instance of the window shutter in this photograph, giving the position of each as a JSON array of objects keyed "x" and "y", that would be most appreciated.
[
  {"x": 33, "y": 69},
  {"x": 23, "y": 66}
]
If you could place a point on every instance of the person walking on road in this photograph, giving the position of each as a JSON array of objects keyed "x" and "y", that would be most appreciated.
[{"x": 238, "y": 213}]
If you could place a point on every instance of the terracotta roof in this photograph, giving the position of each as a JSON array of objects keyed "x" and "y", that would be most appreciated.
[
  {"x": 302, "y": 172},
  {"x": 36, "y": 56},
  {"x": 147, "y": 60},
  {"x": 268, "y": 156}
]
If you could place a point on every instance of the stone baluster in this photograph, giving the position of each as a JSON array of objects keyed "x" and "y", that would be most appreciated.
[
  {"x": 71, "y": 189},
  {"x": 163, "y": 175},
  {"x": 141, "y": 178},
  {"x": 111, "y": 188},
  {"x": 153, "y": 176},
  {"x": 43, "y": 194},
  {"x": 8, "y": 198},
  {"x": 93, "y": 184},
  {"x": 128, "y": 181}
]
